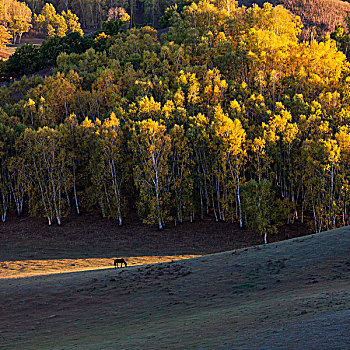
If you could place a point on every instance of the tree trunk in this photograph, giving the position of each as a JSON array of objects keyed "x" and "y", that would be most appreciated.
[{"x": 75, "y": 193}]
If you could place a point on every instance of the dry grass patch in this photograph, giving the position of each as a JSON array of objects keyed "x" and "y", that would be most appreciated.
[
  {"x": 323, "y": 15},
  {"x": 29, "y": 268},
  {"x": 317, "y": 15},
  {"x": 5, "y": 54}
]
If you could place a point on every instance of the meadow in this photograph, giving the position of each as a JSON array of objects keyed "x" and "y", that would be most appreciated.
[{"x": 292, "y": 294}]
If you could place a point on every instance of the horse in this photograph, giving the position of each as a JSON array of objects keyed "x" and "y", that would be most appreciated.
[{"x": 121, "y": 261}]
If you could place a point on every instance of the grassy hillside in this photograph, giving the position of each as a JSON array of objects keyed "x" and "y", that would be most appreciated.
[
  {"x": 319, "y": 15},
  {"x": 292, "y": 294}
]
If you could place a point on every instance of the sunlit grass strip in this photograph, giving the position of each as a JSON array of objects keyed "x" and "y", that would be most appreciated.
[{"x": 28, "y": 268}]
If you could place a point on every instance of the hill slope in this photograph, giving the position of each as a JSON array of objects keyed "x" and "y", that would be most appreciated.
[
  {"x": 317, "y": 15},
  {"x": 4, "y": 54},
  {"x": 250, "y": 298}
]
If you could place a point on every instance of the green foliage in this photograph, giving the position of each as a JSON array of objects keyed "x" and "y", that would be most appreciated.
[
  {"x": 259, "y": 206},
  {"x": 172, "y": 12},
  {"x": 29, "y": 58},
  {"x": 112, "y": 27},
  {"x": 341, "y": 37},
  {"x": 25, "y": 60},
  {"x": 51, "y": 48}
]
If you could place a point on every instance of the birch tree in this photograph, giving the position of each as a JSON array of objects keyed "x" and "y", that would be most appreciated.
[
  {"x": 20, "y": 18},
  {"x": 229, "y": 138},
  {"x": 182, "y": 179},
  {"x": 152, "y": 151},
  {"x": 6, "y": 148},
  {"x": 111, "y": 169},
  {"x": 47, "y": 174},
  {"x": 72, "y": 141}
]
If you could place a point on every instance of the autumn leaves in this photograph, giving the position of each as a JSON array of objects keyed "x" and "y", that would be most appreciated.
[
  {"x": 229, "y": 115},
  {"x": 15, "y": 19},
  {"x": 54, "y": 24}
]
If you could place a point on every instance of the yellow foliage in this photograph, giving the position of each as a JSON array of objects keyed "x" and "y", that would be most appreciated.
[
  {"x": 168, "y": 108},
  {"x": 333, "y": 150},
  {"x": 179, "y": 98},
  {"x": 88, "y": 124},
  {"x": 230, "y": 133},
  {"x": 148, "y": 106},
  {"x": 258, "y": 145},
  {"x": 101, "y": 36},
  {"x": 235, "y": 106}
]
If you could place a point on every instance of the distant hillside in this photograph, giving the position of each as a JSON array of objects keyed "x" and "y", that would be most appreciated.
[{"x": 318, "y": 16}]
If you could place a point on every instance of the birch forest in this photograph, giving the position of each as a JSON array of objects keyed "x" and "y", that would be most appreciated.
[{"x": 226, "y": 114}]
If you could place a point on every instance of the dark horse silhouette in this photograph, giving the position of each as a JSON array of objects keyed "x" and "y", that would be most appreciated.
[{"x": 121, "y": 261}]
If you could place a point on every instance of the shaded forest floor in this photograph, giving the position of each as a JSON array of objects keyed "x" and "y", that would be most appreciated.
[
  {"x": 29, "y": 247},
  {"x": 90, "y": 236},
  {"x": 293, "y": 294}
]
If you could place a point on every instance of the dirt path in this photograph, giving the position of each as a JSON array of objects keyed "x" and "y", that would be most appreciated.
[{"x": 241, "y": 298}]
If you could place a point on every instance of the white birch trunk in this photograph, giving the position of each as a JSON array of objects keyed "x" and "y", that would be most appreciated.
[{"x": 75, "y": 190}]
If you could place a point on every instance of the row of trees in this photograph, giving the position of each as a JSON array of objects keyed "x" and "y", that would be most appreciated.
[
  {"x": 15, "y": 19},
  {"x": 228, "y": 115},
  {"x": 54, "y": 24},
  {"x": 93, "y": 13},
  {"x": 64, "y": 35},
  {"x": 177, "y": 177}
]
